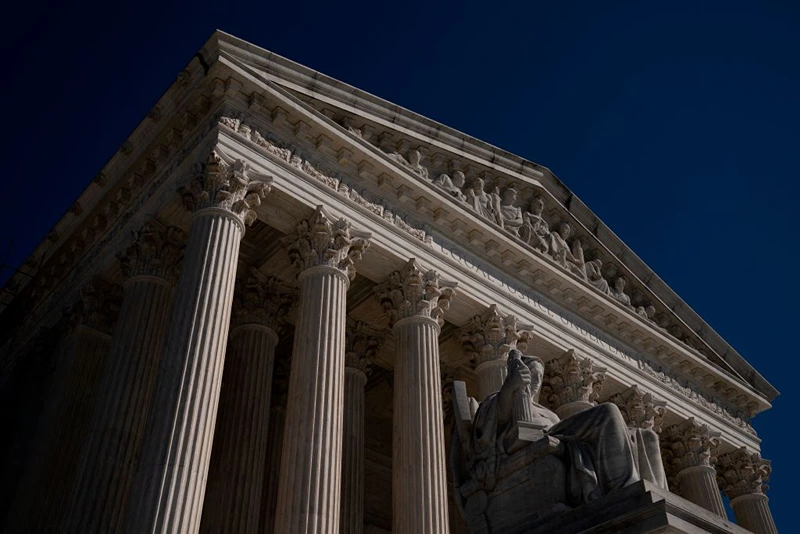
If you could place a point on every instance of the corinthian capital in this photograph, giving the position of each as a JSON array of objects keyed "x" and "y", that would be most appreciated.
[
  {"x": 413, "y": 292},
  {"x": 640, "y": 409},
  {"x": 321, "y": 241},
  {"x": 489, "y": 337},
  {"x": 99, "y": 306},
  {"x": 156, "y": 251},
  {"x": 572, "y": 383},
  {"x": 687, "y": 444},
  {"x": 361, "y": 345},
  {"x": 261, "y": 300},
  {"x": 742, "y": 473},
  {"x": 228, "y": 186}
]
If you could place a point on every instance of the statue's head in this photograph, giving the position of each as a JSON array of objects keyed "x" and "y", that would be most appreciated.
[
  {"x": 619, "y": 284},
  {"x": 537, "y": 206},
  {"x": 564, "y": 231},
  {"x": 510, "y": 195},
  {"x": 414, "y": 157},
  {"x": 459, "y": 179}
]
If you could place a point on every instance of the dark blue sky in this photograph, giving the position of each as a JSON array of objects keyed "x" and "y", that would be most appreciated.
[{"x": 676, "y": 123}]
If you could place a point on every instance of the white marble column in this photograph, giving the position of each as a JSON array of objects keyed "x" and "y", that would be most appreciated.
[
  {"x": 688, "y": 449},
  {"x": 309, "y": 495},
  {"x": 361, "y": 345},
  {"x": 571, "y": 384},
  {"x": 170, "y": 485},
  {"x": 91, "y": 344},
  {"x": 99, "y": 497},
  {"x": 277, "y": 422},
  {"x": 236, "y": 475},
  {"x": 743, "y": 477},
  {"x": 486, "y": 339},
  {"x": 415, "y": 300}
]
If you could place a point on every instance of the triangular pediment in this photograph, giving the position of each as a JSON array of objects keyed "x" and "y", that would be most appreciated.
[{"x": 432, "y": 158}]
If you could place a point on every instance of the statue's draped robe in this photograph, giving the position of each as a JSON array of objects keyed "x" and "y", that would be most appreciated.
[
  {"x": 599, "y": 454},
  {"x": 647, "y": 452}
]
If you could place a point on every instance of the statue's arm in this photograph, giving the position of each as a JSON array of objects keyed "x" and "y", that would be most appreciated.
[{"x": 518, "y": 378}]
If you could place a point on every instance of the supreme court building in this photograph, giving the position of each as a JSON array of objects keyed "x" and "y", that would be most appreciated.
[{"x": 286, "y": 305}]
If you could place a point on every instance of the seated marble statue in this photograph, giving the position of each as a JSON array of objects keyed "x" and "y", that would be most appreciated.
[
  {"x": 452, "y": 185},
  {"x": 413, "y": 162},
  {"x": 595, "y": 444}
]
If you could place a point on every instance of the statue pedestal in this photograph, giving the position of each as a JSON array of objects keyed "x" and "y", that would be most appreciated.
[
  {"x": 533, "y": 475},
  {"x": 642, "y": 508}
]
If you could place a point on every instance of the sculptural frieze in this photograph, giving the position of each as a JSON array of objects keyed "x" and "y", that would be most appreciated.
[
  {"x": 618, "y": 292},
  {"x": 453, "y": 186},
  {"x": 535, "y": 230},
  {"x": 510, "y": 215},
  {"x": 481, "y": 202},
  {"x": 412, "y": 163},
  {"x": 503, "y": 210}
]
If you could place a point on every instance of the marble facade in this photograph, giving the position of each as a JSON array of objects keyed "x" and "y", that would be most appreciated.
[{"x": 255, "y": 316}]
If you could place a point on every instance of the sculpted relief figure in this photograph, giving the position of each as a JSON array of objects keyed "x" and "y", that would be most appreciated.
[
  {"x": 452, "y": 185},
  {"x": 618, "y": 292},
  {"x": 535, "y": 231},
  {"x": 510, "y": 215},
  {"x": 481, "y": 201},
  {"x": 594, "y": 275},
  {"x": 515, "y": 462},
  {"x": 413, "y": 162},
  {"x": 579, "y": 266},
  {"x": 562, "y": 253}
]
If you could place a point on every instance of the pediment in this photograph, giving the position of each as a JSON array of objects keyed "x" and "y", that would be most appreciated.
[{"x": 341, "y": 121}]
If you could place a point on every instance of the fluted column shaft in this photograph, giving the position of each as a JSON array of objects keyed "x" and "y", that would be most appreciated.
[
  {"x": 699, "y": 485},
  {"x": 491, "y": 376},
  {"x": 752, "y": 512},
  {"x": 272, "y": 473},
  {"x": 235, "y": 480},
  {"x": 310, "y": 482},
  {"x": 419, "y": 483},
  {"x": 100, "y": 496},
  {"x": 169, "y": 489},
  {"x": 352, "y": 516},
  {"x": 60, "y": 464}
]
